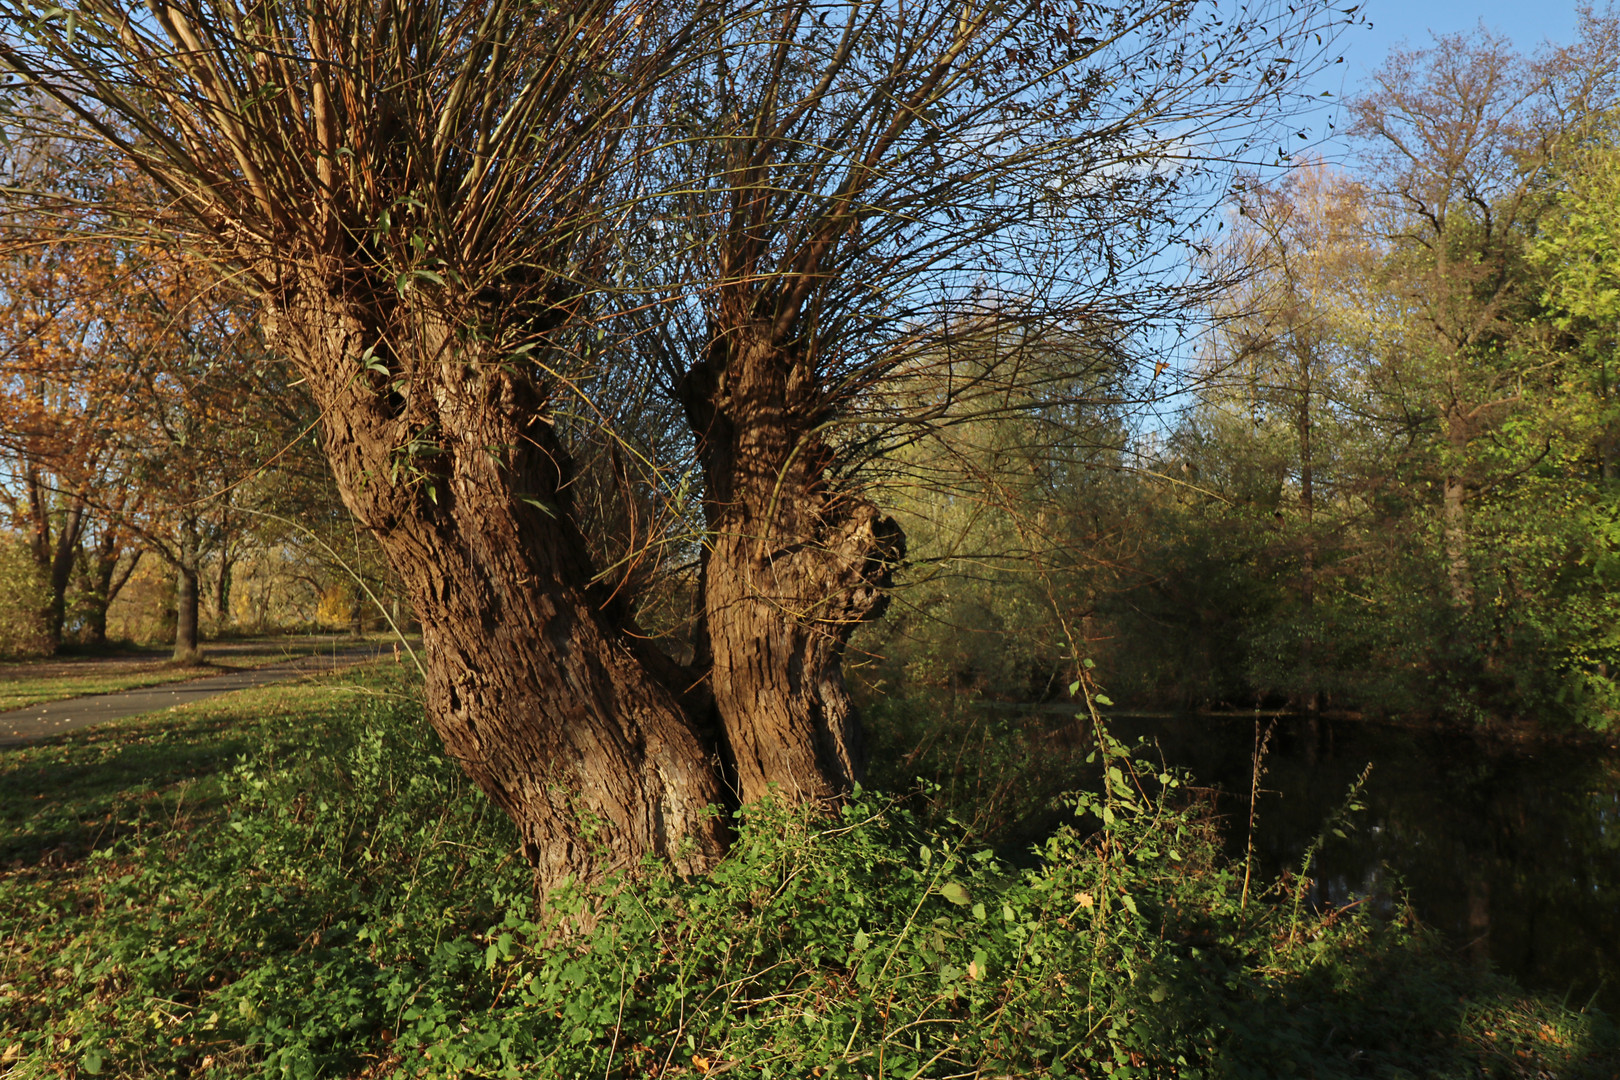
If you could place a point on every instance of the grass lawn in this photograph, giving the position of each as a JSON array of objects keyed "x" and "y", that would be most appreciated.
[
  {"x": 294, "y": 882},
  {"x": 34, "y": 682},
  {"x": 66, "y": 796}
]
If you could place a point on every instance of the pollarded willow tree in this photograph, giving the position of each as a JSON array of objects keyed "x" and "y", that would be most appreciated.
[{"x": 508, "y": 244}]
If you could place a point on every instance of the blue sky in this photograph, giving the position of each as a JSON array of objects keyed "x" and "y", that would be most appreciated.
[
  {"x": 1414, "y": 23},
  {"x": 1528, "y": 23}
]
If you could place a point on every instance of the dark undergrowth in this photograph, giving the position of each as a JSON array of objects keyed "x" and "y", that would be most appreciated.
[{"x": 295, "y": 883}]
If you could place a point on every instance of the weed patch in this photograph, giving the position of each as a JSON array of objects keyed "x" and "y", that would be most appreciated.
[{"x": 296, "y": 883}]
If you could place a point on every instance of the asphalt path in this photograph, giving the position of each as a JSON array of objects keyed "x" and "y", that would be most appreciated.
[{"x": 55, "y": 717}]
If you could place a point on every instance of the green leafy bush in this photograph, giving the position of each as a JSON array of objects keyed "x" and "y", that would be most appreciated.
[{"x": 344, "y": 905}]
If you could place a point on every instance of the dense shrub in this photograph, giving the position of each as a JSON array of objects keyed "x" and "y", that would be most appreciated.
[{"x": 352, "y": 908}]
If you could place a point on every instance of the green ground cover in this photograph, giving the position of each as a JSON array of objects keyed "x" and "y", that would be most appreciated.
[{"x": 293, "y": 882}]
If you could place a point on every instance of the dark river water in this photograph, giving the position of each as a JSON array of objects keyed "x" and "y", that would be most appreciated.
[{"x": 1512, "y": 851}]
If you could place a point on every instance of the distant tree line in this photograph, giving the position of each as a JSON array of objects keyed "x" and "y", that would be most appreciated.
[{"x": 1392, "y": 481}]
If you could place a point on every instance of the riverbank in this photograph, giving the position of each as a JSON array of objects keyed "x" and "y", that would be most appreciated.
[
  {"x": 1520, "y": 730},
  {"x": 1504, "y": 846}
]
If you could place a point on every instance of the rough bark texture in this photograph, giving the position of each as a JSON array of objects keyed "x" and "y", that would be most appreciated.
[
  {"x": 794, "y": 563},
  {"x": 536, "y": 682},
  {"x": 185, "y": 612}
]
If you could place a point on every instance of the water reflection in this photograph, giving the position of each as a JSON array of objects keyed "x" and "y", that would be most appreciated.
[{"x": 1513, "y": 852}]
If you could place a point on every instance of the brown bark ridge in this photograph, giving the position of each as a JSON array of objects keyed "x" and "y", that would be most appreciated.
[
  {"x": 185, "y": 611},
  {"x": 793, "y": 562},
  {"x": 536, "y": 682}
]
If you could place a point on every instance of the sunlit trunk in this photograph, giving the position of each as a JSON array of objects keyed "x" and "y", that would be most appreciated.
[
  {"x": 793, "y": 563},
  {"x": 186, "y": 594},
  {"x": 54, "y": 547},
  {"x": 537, "y": 683},
  {"x": 1454, "y": 525}
]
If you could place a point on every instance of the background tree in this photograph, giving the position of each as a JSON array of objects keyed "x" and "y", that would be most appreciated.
[
  {"x": 1015, "y": 528},
  {"x": 1576, "y": 248},
  {"x": 1410, "y": 368},
  {"x": 60, "y": 420},
  {"x": 204, "y": 410},
  {"x": 1461, "y": 136},
  {"x": 1285, "y": 374},
  {"x": 23, "y": 600}
]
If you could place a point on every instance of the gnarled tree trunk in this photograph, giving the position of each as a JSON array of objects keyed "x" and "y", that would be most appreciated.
[
  {"x": 54, "y": 551},
  {"x": 793, "y": 563},
  {"x": 102, "y": 579},
  {"x": 536, "y": 680}
]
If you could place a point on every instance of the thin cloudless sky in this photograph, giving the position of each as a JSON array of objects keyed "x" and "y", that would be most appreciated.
[
  {"x": 1527, "y": 22},
  {"x": 1414, "y": 25}
]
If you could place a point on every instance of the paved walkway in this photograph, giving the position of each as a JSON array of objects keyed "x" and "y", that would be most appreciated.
[{"x": 55, "y": 717}]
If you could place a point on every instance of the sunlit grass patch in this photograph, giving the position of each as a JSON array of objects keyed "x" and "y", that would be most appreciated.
[
  {"x": 34, "y": 682},
  {"x": 63, "y": 796},
  {"x": 19, "y": 691}
]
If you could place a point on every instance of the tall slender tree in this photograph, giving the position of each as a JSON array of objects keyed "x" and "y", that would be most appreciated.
[{"x": 1460, "y": 138}]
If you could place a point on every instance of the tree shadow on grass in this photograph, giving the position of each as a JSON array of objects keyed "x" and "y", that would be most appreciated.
[{"x": 64, "y": 796}]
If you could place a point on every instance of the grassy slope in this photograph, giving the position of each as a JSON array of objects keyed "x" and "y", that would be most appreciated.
[{"x": 291, "y": 882}]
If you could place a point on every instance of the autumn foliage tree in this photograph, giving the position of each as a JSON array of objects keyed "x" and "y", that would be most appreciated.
[
  {"x": 137, "y": 408},
  {"x": 61, "y": 418},
  {"x": 207, "y": 417},
  {"x": 1393, "y": 490}
]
